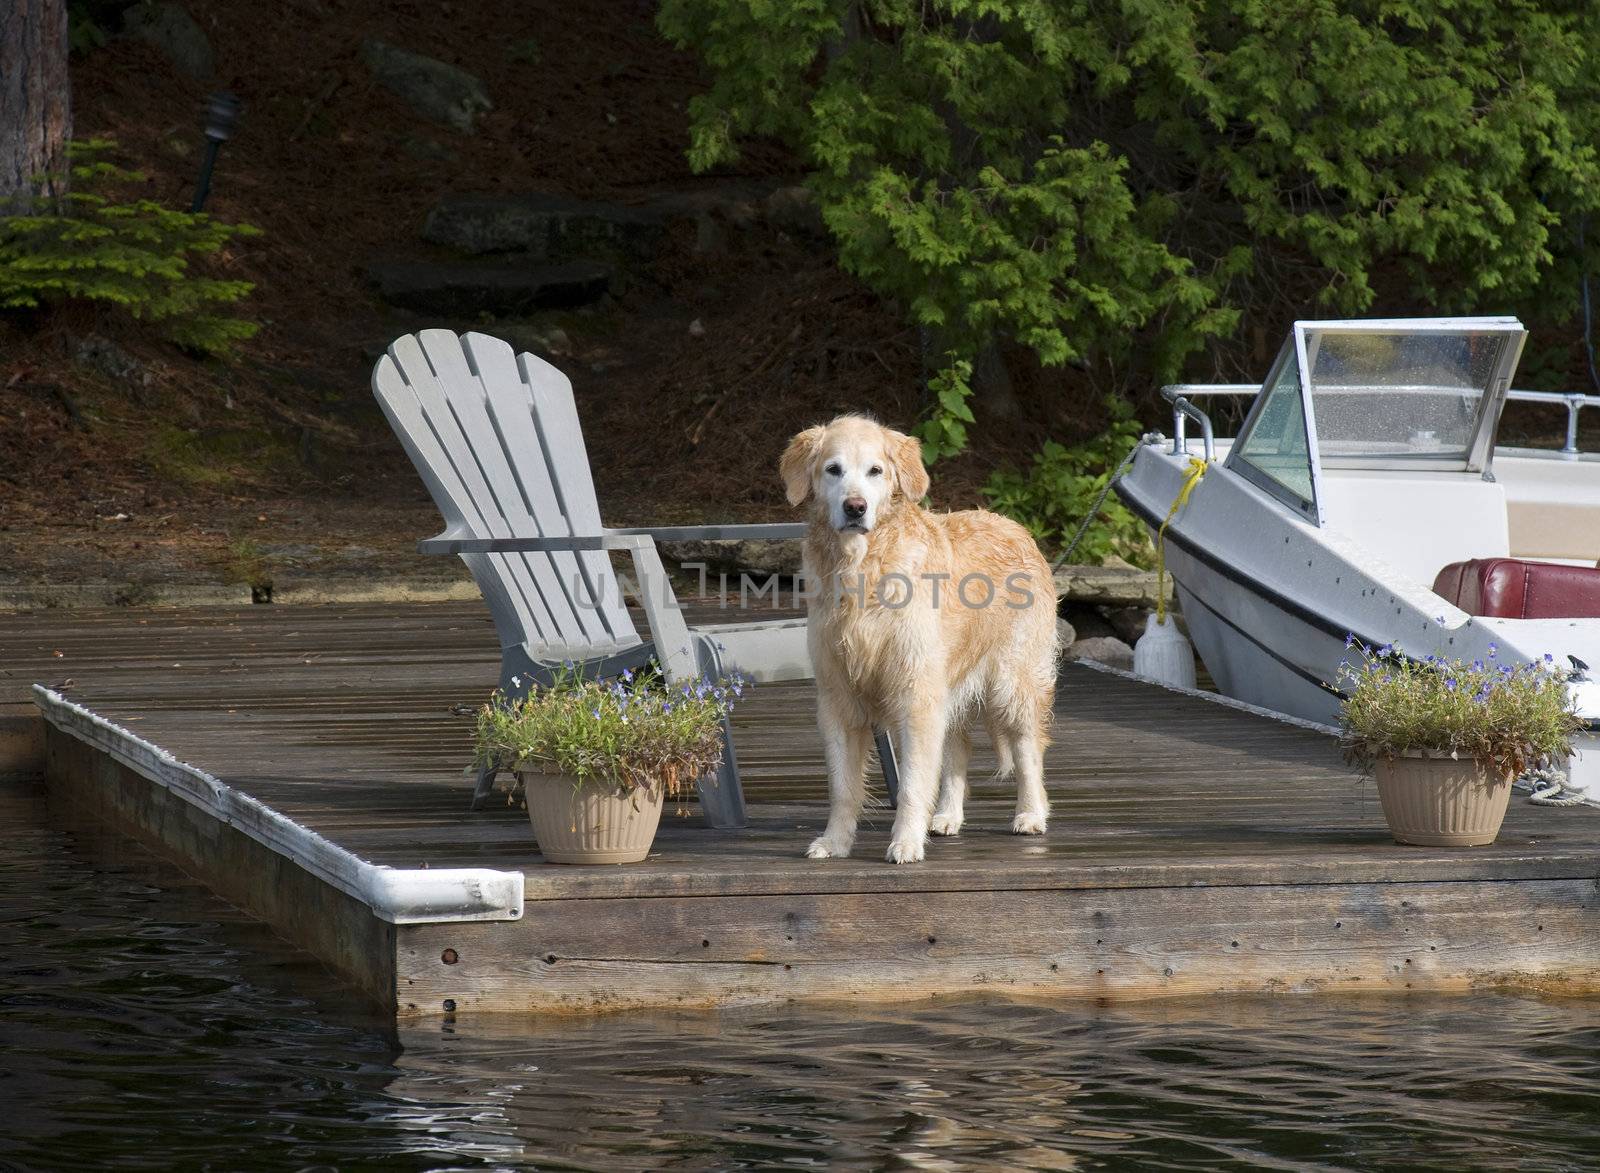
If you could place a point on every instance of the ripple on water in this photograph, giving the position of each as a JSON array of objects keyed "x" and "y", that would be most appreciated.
[{"x": 144, "y": 1023}]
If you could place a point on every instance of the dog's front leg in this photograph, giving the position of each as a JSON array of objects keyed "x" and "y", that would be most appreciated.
[
  {"x": 845, "y": 745},
  {"x": 922, "y": 751}
]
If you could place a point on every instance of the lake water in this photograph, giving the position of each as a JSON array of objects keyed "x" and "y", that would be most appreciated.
[{"x": 143, "y": 1024}]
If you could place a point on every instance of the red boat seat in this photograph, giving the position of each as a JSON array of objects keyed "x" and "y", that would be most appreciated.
[{"x": 1513, "y": 588}]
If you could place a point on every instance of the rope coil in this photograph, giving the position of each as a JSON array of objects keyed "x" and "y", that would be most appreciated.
[{"x": 1547, "y": 786}]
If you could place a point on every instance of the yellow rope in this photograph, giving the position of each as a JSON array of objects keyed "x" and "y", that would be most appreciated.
[{"x": 1191, "y": 478}]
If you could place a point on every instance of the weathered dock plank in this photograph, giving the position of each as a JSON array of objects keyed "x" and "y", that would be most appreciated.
[
  {"x": 1179, "y": 827},
  {"x": 1101, "y": 942}
]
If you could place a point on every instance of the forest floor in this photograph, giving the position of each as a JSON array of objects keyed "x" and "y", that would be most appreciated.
[
  {"x": 153, "y": 470},
  {"x": 198, "y": 471}
]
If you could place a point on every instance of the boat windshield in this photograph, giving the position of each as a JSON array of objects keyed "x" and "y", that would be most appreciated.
[
  {"x": 1406, "y": 395},
  {"x": 1419, "y": 394},
  {"x": 1275, "y": 450}
]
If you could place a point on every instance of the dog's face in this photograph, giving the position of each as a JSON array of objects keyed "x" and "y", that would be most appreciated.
[{"x": 853, "y": 468}]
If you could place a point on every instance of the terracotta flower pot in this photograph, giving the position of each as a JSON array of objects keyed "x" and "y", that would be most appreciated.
[
  {"x": 589, "y": 824},
  {"x": 1442, "y": 802}
]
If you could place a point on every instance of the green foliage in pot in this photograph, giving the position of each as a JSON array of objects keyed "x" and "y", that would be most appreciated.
[
  {"x": 638, "y": 731},
  {"x": 1508, "y": 717}
]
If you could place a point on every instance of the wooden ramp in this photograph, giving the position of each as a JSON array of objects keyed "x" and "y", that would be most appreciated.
[{"x": 307, "y": 763}]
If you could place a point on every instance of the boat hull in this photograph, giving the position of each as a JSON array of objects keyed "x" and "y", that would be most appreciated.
[{"x": 1271, "y": 601}]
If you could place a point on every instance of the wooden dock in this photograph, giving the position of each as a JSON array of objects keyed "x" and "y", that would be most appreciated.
[{"x": 307, "y": 763}]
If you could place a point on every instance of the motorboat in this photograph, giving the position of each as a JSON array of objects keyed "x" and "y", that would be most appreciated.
[{"x": 1365, "y": 495}]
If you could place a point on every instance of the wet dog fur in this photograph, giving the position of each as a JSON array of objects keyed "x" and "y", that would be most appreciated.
[{"x": 904, "y": 634}]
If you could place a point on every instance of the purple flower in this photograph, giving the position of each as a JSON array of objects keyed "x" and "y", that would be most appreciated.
[
  {"x": 1549, "y": 659},
  {"x": 1477, "y": 665},
  {"x": 1350, "y": 640},
  {"x": 1450, "y": 684},
  {"x": 1493, "y": 648}
]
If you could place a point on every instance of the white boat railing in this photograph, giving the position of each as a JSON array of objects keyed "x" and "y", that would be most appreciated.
[
  {"x": 1573, "y": 401},
  {"x": 1181, "y": 396}
]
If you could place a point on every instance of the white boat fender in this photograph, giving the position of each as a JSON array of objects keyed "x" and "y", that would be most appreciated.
[{"x": 1163, "y": 653}]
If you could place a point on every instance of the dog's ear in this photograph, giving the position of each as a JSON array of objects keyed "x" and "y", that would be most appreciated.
[
  {"x": 906, "y": 452},
  {"x": 795, "y": 467}
]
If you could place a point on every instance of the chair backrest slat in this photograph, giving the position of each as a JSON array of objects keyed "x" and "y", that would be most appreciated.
[
  {"x": 420, "y": 434},
  {"x": 503, "y": 467},
  {"x": 573, "y": 583},
  {"x": 467, "y": 420},
  {"x": 555, "y": 415}
]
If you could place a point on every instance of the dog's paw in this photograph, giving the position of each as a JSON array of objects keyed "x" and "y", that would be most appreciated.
[
  {"x": 825, "y": 847},
  {"x": 942, "y": 824},
  {"x": 1029, "y": 823},
  {"x": 905, "y": 850}
]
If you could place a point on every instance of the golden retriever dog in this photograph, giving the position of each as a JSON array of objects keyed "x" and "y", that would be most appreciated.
[{"x": 917, "y": 621}]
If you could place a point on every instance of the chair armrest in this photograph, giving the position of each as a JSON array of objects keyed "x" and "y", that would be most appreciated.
[
  {"x": 610, "y": 540},
  {"x": 776, "y": 531}
]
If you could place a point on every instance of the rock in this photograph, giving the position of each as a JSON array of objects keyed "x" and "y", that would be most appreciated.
[
  {"x": 1128, "y": 622},
  {"x": 1086, "y": 619},
  {"x": 794, "y": 209},
  {"x": 1114, "y": 586},
  {"x": 758, "y": 557},
  {"x": 433, "y": 88},
  {"x": 546, "y": 227},
  {"x": 1103, "y": 649},
  {"x": 697, "y": 329},
  {"x": 1066, "y": 634},
  {"x": 103, "y": 355},
  {"x": 545, "y": 341},
  {"x": 708, "y": 235},
  {"x": 469, "y": 289},
  {"x": 171, "y": 29},
  {"x": 420, "y": 146},
  {"x": 555, "y": 228}
]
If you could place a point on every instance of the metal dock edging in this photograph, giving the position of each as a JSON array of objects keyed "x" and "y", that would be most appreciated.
[{"x": 402, "y": 897}]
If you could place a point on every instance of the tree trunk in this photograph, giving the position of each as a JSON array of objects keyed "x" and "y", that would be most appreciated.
[{"x": 35, "y": 103}]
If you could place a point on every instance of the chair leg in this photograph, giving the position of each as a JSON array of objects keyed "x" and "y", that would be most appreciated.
[
  {"x": 891, "y": 770},
  {"x": 481, "y": 792},
  {"x": 721, "y": 795}
]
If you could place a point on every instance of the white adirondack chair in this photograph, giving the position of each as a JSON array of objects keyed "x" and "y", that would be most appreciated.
[{"x": 495, "y": 437}]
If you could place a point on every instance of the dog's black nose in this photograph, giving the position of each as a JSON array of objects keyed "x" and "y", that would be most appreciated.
[{"x": 855, "y": 508}]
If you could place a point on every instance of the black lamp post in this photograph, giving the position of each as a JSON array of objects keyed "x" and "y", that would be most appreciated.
[{"x": 222, "y": 111}]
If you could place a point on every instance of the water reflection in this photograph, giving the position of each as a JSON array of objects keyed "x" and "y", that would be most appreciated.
[
  {"x": 1488, "y": 1081},
  {"x": 143, "y": 1023}
]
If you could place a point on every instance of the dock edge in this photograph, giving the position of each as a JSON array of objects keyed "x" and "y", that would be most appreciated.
[{"x": 398, "y": 896}]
